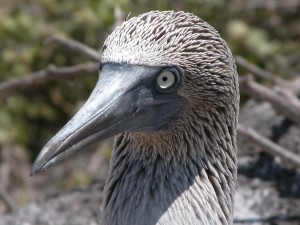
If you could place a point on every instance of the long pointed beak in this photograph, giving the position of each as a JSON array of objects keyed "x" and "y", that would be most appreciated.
[{"x": 122, "y": 100}]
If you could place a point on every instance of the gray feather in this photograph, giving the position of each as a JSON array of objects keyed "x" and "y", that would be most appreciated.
[{"x": 183, "y": 174}]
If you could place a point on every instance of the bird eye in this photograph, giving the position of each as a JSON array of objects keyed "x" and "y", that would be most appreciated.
[{"x": 166, "y": 79}]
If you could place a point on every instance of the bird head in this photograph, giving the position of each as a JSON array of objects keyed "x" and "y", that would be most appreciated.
[{"x": 155, "y": 70}]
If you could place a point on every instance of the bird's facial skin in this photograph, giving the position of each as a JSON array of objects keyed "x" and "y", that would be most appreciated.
[{"x": 127, "y": 98}]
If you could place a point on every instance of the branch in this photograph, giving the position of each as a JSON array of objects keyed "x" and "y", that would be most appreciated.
[
  {"x": 49, "y": 74},
  {"x": 119, "y": 15},
  {"x": 268, "y": 219},
  {"x": 295, "y": 86},
  {"x": 281, "y": 99},
  {"x": 11, "y": 206},
  {"x": 75, "y": 45},
  {"x": 259, "y": 72},
  {"x": 269, "y": 146}
]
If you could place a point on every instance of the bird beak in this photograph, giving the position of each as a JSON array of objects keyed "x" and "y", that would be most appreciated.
[{"x": 124, "y": 100}]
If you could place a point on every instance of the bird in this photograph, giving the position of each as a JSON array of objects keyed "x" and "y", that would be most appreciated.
[{"x": 168, "y": 91}]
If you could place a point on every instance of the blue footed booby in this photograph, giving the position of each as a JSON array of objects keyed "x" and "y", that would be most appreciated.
[{"x": 168, "y": 91}]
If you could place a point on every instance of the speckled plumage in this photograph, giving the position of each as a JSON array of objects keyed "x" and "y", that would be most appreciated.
[{"x": 185, "y": 173}]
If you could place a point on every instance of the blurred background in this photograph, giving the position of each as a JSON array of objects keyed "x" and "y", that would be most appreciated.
[{"x": 35, "y": 35}]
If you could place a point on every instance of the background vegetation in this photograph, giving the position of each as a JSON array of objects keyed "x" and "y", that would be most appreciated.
[{"x": 266, "y": 35}]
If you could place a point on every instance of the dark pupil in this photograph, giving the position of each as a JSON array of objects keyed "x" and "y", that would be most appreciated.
[{"x": 165, "y": 79}]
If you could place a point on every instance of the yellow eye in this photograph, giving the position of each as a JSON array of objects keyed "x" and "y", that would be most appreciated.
[{"x": 166, "y": 79}]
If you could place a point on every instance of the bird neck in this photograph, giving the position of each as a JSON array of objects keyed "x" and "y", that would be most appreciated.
[{"x": 162, "y": 179}]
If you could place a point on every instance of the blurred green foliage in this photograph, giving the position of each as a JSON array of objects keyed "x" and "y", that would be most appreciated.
[{"x": 268, "y": 37}]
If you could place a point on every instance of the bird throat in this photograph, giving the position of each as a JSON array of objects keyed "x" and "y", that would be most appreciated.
[{"x": 148, "y": 186}]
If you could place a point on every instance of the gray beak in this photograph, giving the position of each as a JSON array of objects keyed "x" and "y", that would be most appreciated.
[{"x": 124, "y": 100}]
